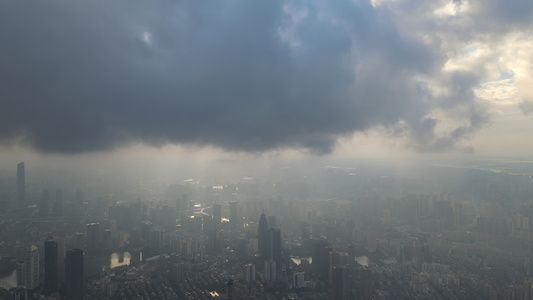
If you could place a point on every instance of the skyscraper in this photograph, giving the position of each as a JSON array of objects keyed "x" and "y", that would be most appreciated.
[
  {"x": 21, "y": 185},
  {"x": 269, "y": 271},
  {"x": 233, "y": 218},
  {"x": 231, "y": 290},
  {"x": 217, "y": 216},
  {"x": 339, "y": 287},
  {"x": 263, "y": 237},
  {"x": 215, "y": 236},
  {"x": 351, "y": 255},
  {"x": 31, "y": 267},
  {"x": 51, "y": 267},
  {"x": 275, "y": 245},
  {"x": 317, "y": 254},
  {"x": 333, "y": 262},
  {"x": 93, "y": 237},
  {"x": 249, "y": 273},
  {"x": 74, "y": 275}
]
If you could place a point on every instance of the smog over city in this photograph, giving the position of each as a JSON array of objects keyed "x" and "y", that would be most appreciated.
[{"x": 361, "y": 149}]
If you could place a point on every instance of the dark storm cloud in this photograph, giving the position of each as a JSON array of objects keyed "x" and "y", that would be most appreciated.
[{"x": 78, "y": 76}]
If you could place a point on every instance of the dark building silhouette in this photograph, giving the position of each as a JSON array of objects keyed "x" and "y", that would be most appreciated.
[
  {"x": 231, "y": 290},
  {"x": 263, "y": 237},
  {"x": 215, "y": 235},
  {"x": 74, "y": 275},
  {"x": 100, "y": 207},
  {"x": 43, "y": 204},
  {"x": 351, "y": 255},
  {"x": 93, "y": 237},
  {"x": 339, "y": 287},
  {"x": 21, "y": 185},
  {"x": 217, "y": 216},
  {"x": 275, "y": 245},
  {"x": 327, "y": 264},
  {"x": 272, "y": 222},
  {"x": 233, "y": 218},
  {"x": 333, "y": 262},
  {"x": 51, "y": 267},
  {"x": 317, "y": 254},
  {"x": 31, "y": 274}
]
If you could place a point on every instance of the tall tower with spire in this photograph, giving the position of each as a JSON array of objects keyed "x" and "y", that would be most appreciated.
[{"x": 263, "y": 237}]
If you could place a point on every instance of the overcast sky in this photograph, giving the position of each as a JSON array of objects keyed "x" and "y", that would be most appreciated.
[{"x": 316, "y": 78}]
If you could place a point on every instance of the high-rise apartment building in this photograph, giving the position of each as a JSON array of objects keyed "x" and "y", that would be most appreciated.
[
  {"x": 217, "y": 216},
  {"x": 31, "y": 267},
  {"x": 93, "y": 237},
  {"x": 74, "y": 275},
  {"x": 233, "y": 218},
  {"x": 249, "y": 273},
  {"x": 317, "y": 254},
  {"x": 263, "y": 237},
  {"x": 275, "y": 245},
  {"x": 231, "y": 290},
  {"x": 270, "y": 271},
  {"x": 51, "y": 267},
  {"x": 339, "y": 287}
]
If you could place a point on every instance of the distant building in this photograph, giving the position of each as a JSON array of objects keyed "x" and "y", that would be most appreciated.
[
  {"x": 275, "y": 245},
  {"x": 269, "y": 271},
  {"x": 263, "y": 237},
  {"x": 333, "y": 262},
  {"x": 272, "y": 222},
  {"x": 305, "y": 232},
  {"x": 93, "y": 237},
  {"x": 299, "y": 280},
  {"x": 339, "y": 287},
  {"x": 231, "y": 290},
  {"x": 43, "y": 204},
  {"x": 21, "y": 185},
  {"x": 107, "y": 239},
  {"x": 233, "y": 218},
  {"x": 249, "y": 273},
  {"x": 79, "y": 202},
  {"x": 58, "y": 204},
  {"x": 146, "y": 229},
  {"x": 31, "y": 267},
  {"x": 51, "y": 267},
  {"x": 217, "y": 216},
  {"x": 351, "y": 255},
  {"x": 100, "y": 207},
  {"x": 74, "y": 275},
  {"x": 317, "y": 254}
]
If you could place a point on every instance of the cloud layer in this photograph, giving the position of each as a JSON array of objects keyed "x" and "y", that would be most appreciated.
[{"x": 82, "y": 76}]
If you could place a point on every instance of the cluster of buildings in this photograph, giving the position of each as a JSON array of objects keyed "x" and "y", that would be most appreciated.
[{"x": 227, "y": 242}]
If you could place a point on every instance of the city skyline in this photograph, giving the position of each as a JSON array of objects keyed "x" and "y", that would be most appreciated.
[{"x": 326, "y": 150}]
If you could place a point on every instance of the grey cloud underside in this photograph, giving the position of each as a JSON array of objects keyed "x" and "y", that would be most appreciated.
[{"x": 77, "y": 76}]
